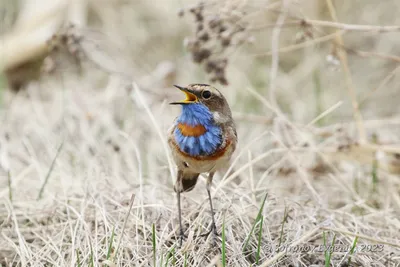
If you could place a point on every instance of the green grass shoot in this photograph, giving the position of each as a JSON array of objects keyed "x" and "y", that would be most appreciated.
[
  {"x": 171, "y": 255},
  {"x": 78, "y": 260},
  {"x": 284, "y": 220},
  {"x": 257, "y": 220},
  {"x": 110, "y": 245},
  {"x": 328, "y": 250},
  {"x": 153, "y": 234},
  {"x": 260, "y": 231},
  {"x": 352, "y": 250}
]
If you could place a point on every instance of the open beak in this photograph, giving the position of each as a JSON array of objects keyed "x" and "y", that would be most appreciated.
[{"x": 190, "y": 97}]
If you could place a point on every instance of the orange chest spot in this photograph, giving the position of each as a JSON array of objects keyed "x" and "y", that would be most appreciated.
[{"x": 188, "y": 130}]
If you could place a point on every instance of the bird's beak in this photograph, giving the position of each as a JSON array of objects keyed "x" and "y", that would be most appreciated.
[{"x": 190, "y": 96}]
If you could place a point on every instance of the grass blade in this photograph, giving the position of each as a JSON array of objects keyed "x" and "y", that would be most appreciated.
[
  {"x": 284, "y": 220},
  {"x": 259, "y": 239},
  {"x": 123, "y": 227},
  {"x": 259, "y": 215},
  {"x": 171, "y": 254},
  {"x": 223, "y": 244},
  {"x": 328, "y": 250},
  {"x": 375, "y": 166},
  {"x": 111, "y": 243},
  {"x": 9, "y": 186},
  {"x": 78, "y": 260},
  {"x": 331, "y": 250},
  {"x": 50, "y": 171},
  {"x": 91, "y": 255},
  {"x": 153, "y": 234},
  {"x": 318, "y": 96},
  {"x": 185, "y": 260},
  {"x": 353, "y": 247}
]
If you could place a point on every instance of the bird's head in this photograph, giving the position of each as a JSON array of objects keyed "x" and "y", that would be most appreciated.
[
  {"x": 205, "y": 119},
  {"x": 204, "y": 95}
]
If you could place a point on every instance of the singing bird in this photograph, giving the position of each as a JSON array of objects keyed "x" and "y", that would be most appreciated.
[{"x": 202, "y": 140}]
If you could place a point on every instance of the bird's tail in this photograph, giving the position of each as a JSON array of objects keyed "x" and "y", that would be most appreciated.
[{"x": 189, "y": 181}]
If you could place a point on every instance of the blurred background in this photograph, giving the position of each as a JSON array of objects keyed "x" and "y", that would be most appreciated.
[{"x": 84, "y": 93}]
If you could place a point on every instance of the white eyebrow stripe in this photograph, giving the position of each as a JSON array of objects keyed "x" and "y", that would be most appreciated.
[{"x": 219, "y": 118}]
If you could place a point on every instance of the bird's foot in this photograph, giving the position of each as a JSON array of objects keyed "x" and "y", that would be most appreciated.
[
  {"x": 181, "y": 237},
  {"x": 213, "y": 230}
]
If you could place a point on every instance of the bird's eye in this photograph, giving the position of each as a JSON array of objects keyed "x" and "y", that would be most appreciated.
[{"x": 206, "y": 94}]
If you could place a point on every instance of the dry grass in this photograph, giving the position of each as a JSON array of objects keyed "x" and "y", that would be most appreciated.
[{"x": 86, "y": 178}]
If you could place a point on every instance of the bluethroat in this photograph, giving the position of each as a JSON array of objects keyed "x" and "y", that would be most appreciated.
[{"x": 202, "y": 140}]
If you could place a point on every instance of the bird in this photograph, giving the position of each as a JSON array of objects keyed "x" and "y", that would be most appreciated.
[{"x": 202, "y": 139}]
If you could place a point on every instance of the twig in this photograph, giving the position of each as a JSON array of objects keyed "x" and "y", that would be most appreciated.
[
  {"x": 325, "y": 113},
  {"x": 291, "y": 48},
  {"x": 349, "y": 82},
  {"x": 329, "y": 37},
  {"x": 337, "y": 25},
  {"x": 349, "y": 27},
  {"x": 381, "y": 84},
  {"x": 371, "y": 54}
]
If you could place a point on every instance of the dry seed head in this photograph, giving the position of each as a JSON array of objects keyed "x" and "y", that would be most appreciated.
[
  {"x": 223, "y": 80},
  {"x": 225, "y": 41},
  {"x": 222, "y": 63},
  {"x": 214, "y": 22},
  {"x": 216, "y": 31},
  {"x": 200, "y": 55},
  {"x": 210, "y": 66},
  {"x": 226, "y": 38},
  {"x": 203, "y": 36},
  {"x": 190, "y": 44},
  {"x": 64, "y": 38},
  {"x": 199, "y": 17},
  {"x": 200, "y": 27},
  {"x": 222, "y": 28}
]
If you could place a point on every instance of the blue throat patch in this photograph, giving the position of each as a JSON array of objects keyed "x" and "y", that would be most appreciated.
[{"x": 205, "y": 144}]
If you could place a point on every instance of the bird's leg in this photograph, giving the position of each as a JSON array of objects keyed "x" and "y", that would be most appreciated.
[
  {"x": 178, "y": 189},
  {"x": 213, "y": 226}
]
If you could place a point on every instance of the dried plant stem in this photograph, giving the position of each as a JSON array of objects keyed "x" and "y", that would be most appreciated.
[
  {"x": 349, "y": 81},
  {"x": 350, "y": 27},
  {"x": 305, "y": 237},
  {"x": 365, "y": 237},
  {"x": 372, "y": 54},
  {"x": 124, "y": 226},
  {"x": 295, "y": 47},
  {"x": 336, "y": 25},
  {"x": 381, "y": 84},
  {"x": 275, "y": 56}
]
